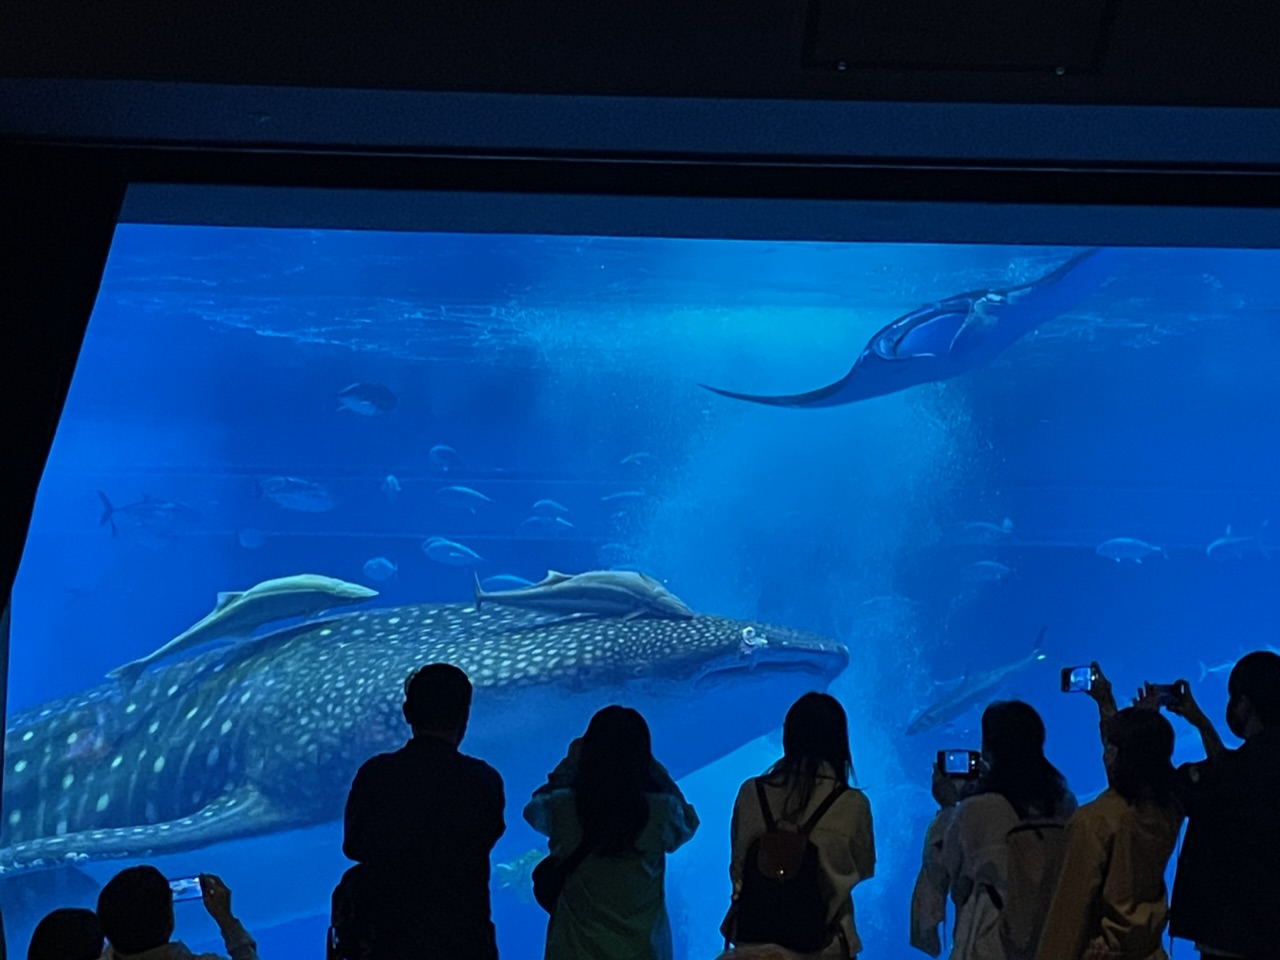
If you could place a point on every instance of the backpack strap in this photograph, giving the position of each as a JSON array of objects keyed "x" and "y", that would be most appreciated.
[
  {"x": 823, "y": 807},
  {"x": 769, "y": 823}
]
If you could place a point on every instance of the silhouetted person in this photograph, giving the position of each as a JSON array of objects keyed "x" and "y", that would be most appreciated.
[
  {"x": 1110, "y": 900},
  {"x": 1017, "y": 785},
  {"x": 71, "y": 933},
  {"x": 1226, "y": 896},
  {"x": 809, "y": 785},
  {"x": 610, "y": 798},
  {"x": 135, "y": 909},
  {"x": 421, "y": 822}
]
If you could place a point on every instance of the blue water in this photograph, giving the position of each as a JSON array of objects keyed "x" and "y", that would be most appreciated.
[{"x": 214, "y": 358}]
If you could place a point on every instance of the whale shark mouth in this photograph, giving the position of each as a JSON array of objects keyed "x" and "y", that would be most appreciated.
[{"x": 823, "y": 662}]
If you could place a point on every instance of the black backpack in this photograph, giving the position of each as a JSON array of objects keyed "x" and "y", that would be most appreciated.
[{"x": 784, "y": 898}]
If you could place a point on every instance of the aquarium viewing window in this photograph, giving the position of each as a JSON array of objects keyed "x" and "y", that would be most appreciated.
[{"x": 921, "y": 456}]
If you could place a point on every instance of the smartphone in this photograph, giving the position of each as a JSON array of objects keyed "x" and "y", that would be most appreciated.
[
  {"x": 186, "y": 888},
  {"x": 1166, "y": 693},
  {"x": 1078, "y": 679},
  {"x": 961, "y": 764}
]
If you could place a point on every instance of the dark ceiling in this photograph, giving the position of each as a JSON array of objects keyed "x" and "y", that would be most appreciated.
[{"x": 1196, "y": 52}]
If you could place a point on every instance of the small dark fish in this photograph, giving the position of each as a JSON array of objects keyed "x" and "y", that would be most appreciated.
[
  {"x": 367, "y": 399},
  {"x": 155, "y": 516},
  {"x": 295, "y": 494},
  {"x": 623, "y": 495},
  {"x": 445, "y": 458}
]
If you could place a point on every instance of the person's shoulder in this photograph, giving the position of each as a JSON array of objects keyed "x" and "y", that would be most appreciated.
[
  {"x": 480, "y": 770},
  {"x": 853, "y": 798},
  {"x": 379, "y": 764}
]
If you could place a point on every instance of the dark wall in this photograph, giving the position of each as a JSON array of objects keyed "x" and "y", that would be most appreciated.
[{"x": 1107, "y": 51}]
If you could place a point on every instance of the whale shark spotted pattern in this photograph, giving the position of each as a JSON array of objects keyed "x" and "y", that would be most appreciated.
[{"x": 266, "y": 736}]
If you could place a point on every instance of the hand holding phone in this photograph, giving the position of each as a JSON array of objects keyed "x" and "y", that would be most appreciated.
[
  {"x": 1171, "y": 696},
  {"x": 1079, "y": 679}
]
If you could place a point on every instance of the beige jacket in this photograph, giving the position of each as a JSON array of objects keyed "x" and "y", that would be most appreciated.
[
  {"x": 844, "y": 838},
  {"x": 1110, "y": 903}
]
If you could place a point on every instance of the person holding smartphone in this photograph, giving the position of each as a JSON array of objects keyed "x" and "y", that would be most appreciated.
[
  {"x": 1110, "y": 901},
  {"x": 929, "y": 895},
  {"x": 1226, "y": 894},
  {"x": 135, "y": 909}
]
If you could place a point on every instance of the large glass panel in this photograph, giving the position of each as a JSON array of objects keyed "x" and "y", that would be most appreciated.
[{"x": 1059, "y": 454}]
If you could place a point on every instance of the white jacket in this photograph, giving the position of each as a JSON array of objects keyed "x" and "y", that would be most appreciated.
[
  {"x": 974, "y": 858},
  {"x": 844, "y": 839}
]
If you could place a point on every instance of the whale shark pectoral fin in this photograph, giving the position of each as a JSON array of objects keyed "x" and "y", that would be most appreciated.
[{"x": 244, "y": 812}]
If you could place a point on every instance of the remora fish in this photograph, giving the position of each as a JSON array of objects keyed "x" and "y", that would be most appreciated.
[
  {"x": 943, "y": 340},
  {"x": 601, "y": 593},
  {"x": 265, "y": 737},
  {"x": 972, "y": 690},
  {"x": 1127, "y": 548},
  {"x": 239, "y": 614}
]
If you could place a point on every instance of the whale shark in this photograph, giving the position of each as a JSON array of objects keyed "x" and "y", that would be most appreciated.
[
  {"x": 265, "y": 737},
  {"x": 942, "y": 340}
]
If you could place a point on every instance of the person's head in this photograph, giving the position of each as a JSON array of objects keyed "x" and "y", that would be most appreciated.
[
  {"x": 614, "y": 773},
  {"x": 816, "y": 731},
  {"x": 1013, "y": 749},
  {"x": 67, "y": 934},
  {"x": 1139, "y": 755},
  {"x": 1254, "y": 691},
  {"x": 815, "y": 734},
  {"x": 437, "y": 702},
  {"x": 135, "y": 909}
]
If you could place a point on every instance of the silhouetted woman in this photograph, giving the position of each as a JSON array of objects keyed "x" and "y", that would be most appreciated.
[
  {"x": 1018, "y": 784},
  {"x": 814, "y": 773},
  {"x": 1111, "y": 900},
  {"x": 612, "y": 796}
]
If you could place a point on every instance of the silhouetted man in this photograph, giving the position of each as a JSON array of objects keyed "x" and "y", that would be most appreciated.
[
  {"x": 422, "y": 822},
  {"x": 1226, "y": 896}
]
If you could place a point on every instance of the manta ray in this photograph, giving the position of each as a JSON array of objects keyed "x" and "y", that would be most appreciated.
[{"x": 942, "y": 340}]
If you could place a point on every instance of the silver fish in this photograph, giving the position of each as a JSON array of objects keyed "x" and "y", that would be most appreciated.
[
  {"x": 293, "y": 493},
  {"x": 971, "y": 691},
  {"x": 1127, "y": 548}
]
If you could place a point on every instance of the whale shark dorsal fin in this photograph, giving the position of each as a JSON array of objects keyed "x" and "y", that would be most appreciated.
[
  {"x": 228, "y": 598},
  {"x": 555, "y": 576}
]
